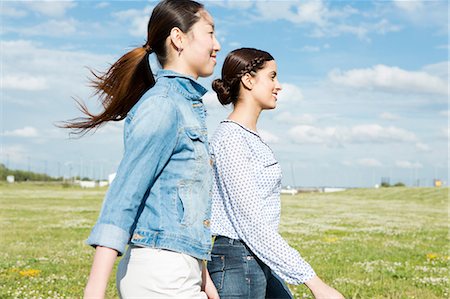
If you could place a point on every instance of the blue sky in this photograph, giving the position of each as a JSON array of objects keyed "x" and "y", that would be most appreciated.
[{"x": 365, "y": 84}]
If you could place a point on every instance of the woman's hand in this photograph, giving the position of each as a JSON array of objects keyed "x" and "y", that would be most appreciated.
[
  {"x": 321, "y": 290},
  {"x": 208, "y": 285}
]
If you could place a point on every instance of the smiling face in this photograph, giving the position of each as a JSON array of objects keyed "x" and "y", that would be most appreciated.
[
  {"x": 202, "y": 47},
  {"x": 265, "y": 86}
]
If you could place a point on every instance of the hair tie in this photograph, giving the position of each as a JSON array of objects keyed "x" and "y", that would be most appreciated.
[{"x": 147, "y": 48}]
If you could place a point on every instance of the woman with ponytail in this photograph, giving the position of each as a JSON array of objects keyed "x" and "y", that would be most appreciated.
[
  {"x": 158, "y": 203},
  {"x": 250, "y": 259}
]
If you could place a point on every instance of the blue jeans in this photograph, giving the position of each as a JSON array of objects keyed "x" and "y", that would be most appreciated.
[{"x": 238, "y": 273}]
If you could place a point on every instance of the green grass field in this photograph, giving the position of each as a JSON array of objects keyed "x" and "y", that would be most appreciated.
[{"x": 368, "y": 243}]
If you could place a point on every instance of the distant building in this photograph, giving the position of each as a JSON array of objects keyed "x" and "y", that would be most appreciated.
[
  {"x": 289, "y": 191},
  {"x": 437, "y": 183},
  {"x": 10, "y": 179},
  {"x": 87, "y": 184},
  {"x": 330, "y": 189}
]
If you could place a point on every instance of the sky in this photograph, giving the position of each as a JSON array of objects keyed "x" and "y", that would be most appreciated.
[{"x": 364, "y": 99}]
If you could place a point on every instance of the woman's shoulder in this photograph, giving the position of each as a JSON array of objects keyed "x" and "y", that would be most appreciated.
[
  {"x": 228, "y": 133},
  {"x": 155, "y": 97}
]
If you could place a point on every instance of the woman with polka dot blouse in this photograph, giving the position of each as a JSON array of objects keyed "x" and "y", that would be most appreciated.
[{"x": 250, "y": 259}]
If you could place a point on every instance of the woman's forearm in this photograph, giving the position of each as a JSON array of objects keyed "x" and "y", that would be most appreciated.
[{"x": 102, "y": 266}]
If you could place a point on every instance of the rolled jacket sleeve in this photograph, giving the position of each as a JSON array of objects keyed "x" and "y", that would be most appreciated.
[{"x": 150, "y": 136}]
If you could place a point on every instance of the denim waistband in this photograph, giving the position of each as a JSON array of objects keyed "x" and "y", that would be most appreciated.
[{"x": 226, "y": 240}]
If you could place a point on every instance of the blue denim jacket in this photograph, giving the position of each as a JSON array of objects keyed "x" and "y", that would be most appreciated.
[{"x": 160, "y": 195}]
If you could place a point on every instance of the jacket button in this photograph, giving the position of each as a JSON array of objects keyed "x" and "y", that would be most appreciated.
[{"x": 206, "y": 223}]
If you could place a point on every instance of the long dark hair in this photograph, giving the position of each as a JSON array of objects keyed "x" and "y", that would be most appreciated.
[
  {"x": 126, "y": 81},
  {"x": 238, "y": 63}
]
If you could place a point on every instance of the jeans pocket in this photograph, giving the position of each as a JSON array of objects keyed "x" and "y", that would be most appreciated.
[{"x": 216, "y": 269}]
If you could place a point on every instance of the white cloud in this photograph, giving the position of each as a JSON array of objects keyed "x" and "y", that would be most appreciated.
[
  {"x": 235, "y": 45},
  {"x": 110, "y": 128},
  {"x": 313, "y": 135},
  {"x": 136, "y": 19},
  {"x": 422, "y": 147},
  {"x": 14, "y": 153},
  {"x": 323, "y": 19},
  {"x": 9, "y": 11},
  {"x": 390, "y": 79},
  {"x": 409, "y": 5},
  {"x": 439, "y": 69},
  {"x": 443, "y": 47},
  {"x": 24, "y": 132},
  {"x": 54, "y": 28},
  {"x": 310, "y": 49},
  {"x": 408, "y": 164},
  {"x": 389, "y": 116},
  {"x": 445, "y": 133},
  {"x": 377, "y": 133},
  {"x": 102, "y": 5},
  {"x": 310, "y": 12},
  {"x": 268, "y": 137},
  {"x": 444, "y": 113},
  {"x": 384, "y": 26},
  {"x": 240, "y": 4},
  {"x": 211, "y": 101},
  {"x": 290, "y": 93},
  {"x": 50, "y": 8},
  {"x": 424, "y": 13},
  {"x": 290, "y": 118},
  {"x": 57, "y": 74},
  {"x": 370, "y": 133},
  {"x": 347, "y": 163},
  {"x": 369, "y": 162},
  {"x": 24, "y": 82}
]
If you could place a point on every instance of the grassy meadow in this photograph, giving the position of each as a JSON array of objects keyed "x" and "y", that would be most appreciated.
[{"x": 368, "y": 243}]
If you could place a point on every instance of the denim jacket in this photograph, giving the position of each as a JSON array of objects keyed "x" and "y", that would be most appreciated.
[{"x": 160, "y": 195}]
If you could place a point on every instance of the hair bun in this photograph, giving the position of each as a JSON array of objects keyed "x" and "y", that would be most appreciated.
[{"x": 222, "y": 90}]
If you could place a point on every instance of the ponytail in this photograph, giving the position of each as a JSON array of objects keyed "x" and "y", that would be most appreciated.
[{"x": 118, "y": 89}]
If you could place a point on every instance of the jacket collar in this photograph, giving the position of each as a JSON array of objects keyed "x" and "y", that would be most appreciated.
[{"x": 187, "y": 85}]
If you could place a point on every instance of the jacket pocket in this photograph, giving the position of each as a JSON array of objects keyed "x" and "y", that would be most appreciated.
[
  {"x": 190, "y": 209},
  {"x": 197, "y": 140}
]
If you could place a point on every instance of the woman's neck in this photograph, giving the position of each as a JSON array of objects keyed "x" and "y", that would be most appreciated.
[{"x": 245, "y": 114}]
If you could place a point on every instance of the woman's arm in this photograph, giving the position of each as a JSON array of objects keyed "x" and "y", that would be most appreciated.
[
  {"x": 102, "y": 265},
  {"x": 150, "y": 138}
]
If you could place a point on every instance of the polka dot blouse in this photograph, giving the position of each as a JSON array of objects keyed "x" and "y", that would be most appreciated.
[{"x": 246, "y": 199}]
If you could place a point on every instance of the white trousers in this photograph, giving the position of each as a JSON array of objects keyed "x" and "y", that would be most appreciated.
[{"x": 158, "y": 273}]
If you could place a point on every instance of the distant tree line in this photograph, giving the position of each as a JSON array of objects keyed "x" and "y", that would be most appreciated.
[
  {"x": 22, "y": 176},
  {"x": 386, "y": 184}
]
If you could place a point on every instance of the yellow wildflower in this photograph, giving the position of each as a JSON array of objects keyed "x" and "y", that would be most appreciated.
[
  {"x": 432, "y": 256},
  {"x": 330, "y": 239},
  {"x": 30, "y": 272}
]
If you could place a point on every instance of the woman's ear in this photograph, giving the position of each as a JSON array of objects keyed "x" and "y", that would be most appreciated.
[
  {"x": 247, "y": 81},
  {"x": 177, "y": 38}
]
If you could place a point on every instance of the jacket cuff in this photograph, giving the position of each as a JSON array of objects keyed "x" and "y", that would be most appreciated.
[{"x": 109, "y": 235}]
